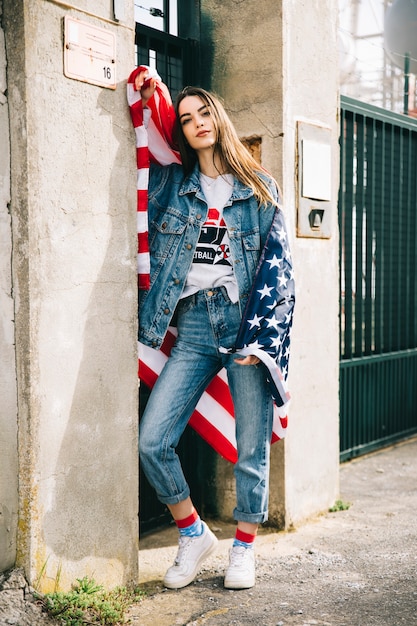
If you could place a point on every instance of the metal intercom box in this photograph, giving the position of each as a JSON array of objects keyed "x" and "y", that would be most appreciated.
[{"x": 314, "y": 180}]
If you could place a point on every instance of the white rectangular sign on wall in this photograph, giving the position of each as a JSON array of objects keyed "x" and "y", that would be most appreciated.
[
  {"x": 89, "y": 53},
  {"x": 317, "y": 170}
]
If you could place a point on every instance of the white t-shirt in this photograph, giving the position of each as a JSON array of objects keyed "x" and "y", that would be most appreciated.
[{"x": 212, "y": 264}]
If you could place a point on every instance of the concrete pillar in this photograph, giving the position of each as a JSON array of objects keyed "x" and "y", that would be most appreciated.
[
  {"x": 275, "y": 63},
  {"x": 74, "y": 282},
  {"x": 8, "y": 407},
  {"x": 311, "y": 93}
]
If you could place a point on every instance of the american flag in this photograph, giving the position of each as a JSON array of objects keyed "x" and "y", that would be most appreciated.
[
  {"x": 267, "y": 320},
  {"x": 266, "y": 323}
]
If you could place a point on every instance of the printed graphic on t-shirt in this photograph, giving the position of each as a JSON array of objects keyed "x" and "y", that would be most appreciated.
[{"x": 213, "y": 247}]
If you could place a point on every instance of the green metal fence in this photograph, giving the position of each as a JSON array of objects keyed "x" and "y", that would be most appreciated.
[{"x": 378, "y": 262}]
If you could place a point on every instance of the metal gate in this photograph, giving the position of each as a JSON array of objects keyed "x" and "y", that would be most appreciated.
[{"x": 378, "y": 263}]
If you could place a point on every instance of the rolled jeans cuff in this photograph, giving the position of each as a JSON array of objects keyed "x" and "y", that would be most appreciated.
[
  {"x": 252, "y": 518},
  {"x": 179, "y": 497}
]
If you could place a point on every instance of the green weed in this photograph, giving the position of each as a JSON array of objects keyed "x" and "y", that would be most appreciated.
[
  {"x": 89, "y": 603},
  {"x": 37, "y": 582},
  {"x": 339, "y": 505}
]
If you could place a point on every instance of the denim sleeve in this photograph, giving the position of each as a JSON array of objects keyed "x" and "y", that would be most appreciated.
[{"x": 157, "y": 178}]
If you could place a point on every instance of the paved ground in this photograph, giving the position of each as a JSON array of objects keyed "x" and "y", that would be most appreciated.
[{"x": 350, "y": 568}]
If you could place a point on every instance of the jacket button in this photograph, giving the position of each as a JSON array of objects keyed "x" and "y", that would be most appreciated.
[
  {"x": 198, "y": 216},
  {"x": 166, "y": 311},
  {"x": 188, "y": 246},
  {"x": 176, "y": 281},
  {"x": 164, "y": 225}
]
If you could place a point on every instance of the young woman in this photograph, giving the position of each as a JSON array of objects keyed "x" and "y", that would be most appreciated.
[{"x": 208, "y": 222}]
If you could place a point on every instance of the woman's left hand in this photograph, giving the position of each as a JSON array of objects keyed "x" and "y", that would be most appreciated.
[
  {"x": 248, "y": 360},
  {"x": 145, "y": 85}
]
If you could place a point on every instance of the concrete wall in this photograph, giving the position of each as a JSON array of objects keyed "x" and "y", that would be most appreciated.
[
  {"x": 8, "y": 408},
  {"x": 74, "y": 281},
  {"x": 275, "y": 63},
  {"x": 311, "y": 92}
]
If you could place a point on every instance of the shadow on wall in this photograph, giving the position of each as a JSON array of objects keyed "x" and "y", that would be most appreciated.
[{"x": 91, "y": 514}]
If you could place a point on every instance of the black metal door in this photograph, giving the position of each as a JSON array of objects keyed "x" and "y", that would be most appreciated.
[{"x": 176, "y": 59}]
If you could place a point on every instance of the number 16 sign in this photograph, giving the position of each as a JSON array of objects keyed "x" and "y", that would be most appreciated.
[{"x": 89, "y": 53}]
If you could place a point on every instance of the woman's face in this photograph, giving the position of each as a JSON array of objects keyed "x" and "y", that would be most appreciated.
[{"x": 197, "y": 123}]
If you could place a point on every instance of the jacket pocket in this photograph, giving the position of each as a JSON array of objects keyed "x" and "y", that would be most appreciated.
[
  {"x": 252, "y": 241},
  {"x": 165, "y": 232}
]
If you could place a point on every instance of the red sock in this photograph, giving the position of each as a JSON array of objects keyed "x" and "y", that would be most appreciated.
[
  {"x": 187, "y": 521},
  {"x": 244, "y": 537}
]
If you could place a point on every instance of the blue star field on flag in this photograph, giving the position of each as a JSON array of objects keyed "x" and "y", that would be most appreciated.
[{"x": 266, "y": 324}]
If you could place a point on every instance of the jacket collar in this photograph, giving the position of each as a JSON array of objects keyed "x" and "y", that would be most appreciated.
[{"x": 191, "y": 184}]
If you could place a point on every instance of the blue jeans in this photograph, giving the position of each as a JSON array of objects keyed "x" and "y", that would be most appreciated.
[{"x": 206, "y": 321}]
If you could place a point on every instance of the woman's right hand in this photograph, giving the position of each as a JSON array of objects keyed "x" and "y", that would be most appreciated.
[{"x": 145, "y": 85}]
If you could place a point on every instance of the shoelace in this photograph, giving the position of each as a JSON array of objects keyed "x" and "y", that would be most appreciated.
[
  {"x": 238, "y": 556},
  {"x": 184, "y": 544}
]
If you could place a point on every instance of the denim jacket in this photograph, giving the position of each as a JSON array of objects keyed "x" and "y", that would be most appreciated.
[{"x": 177, "y": 210}]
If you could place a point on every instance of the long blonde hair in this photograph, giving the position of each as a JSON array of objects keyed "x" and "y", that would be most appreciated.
[{"x": 234, "y": 156}]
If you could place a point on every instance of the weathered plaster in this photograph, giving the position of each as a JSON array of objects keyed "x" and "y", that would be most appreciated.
[
  {"x": 73, "y": 213},
  {"x": 8, "y": 407}
]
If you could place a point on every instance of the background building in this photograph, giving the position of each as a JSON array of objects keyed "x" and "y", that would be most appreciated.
[{"x": 368, "y": 70}]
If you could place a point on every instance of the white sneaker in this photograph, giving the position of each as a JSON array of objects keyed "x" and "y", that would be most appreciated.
[
  {"x": 241, "y": 571},
  {"x": 192, "y": 551}
]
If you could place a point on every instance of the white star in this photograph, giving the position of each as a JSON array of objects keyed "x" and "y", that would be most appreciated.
[
  {"x": 256, "y": 344},
  {"x": 282, "y": 234},
  {"x": 282, "y": 280},
  {"x": 273, "y": 323},
  {"x": 265, "y": 291},
  {"x": 274, "y": 262},
  {"x": 276, "y": 342},
  {"x": 288, "y": 318},
  {"x": 255, "y": 321}
]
